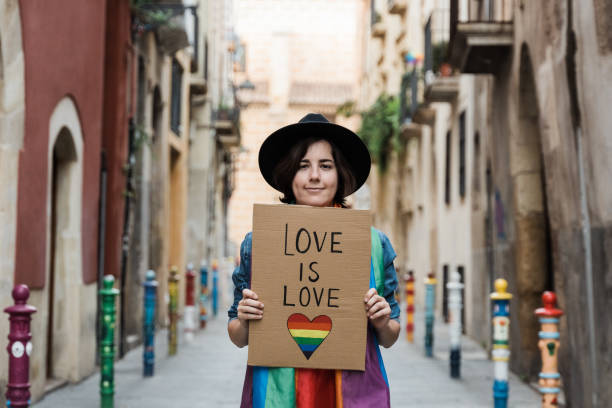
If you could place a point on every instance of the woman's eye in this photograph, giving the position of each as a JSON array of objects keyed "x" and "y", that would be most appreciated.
[{"x": 303, "y": 165}]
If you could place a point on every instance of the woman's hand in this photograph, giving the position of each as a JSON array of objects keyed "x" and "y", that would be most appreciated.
[
  {"x": 379, "y": 314},
  {"x": 377, "y": 309},
  {"x": 249, "y": 308}
]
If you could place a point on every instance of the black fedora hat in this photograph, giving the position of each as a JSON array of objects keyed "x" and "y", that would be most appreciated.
[{"x": 278, "y": 144}]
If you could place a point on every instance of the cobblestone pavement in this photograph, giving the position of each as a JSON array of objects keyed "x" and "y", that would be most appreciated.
[{"x": 209, "y": 373}]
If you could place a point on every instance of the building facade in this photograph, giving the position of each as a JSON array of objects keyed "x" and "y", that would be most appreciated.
[
  {"x": 302, "y": 57},
  {"x": 95, "y": 148},
  {"x": 550, "y": 64},
  {"x": 55, "y": 244},
  {"x": 505, "y": 146}
]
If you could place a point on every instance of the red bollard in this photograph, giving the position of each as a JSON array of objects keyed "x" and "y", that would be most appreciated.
[
  {"x": 190, "y": 310},
  {"x": 409, "y": 278},
  {"x": 19, "y": 348}
]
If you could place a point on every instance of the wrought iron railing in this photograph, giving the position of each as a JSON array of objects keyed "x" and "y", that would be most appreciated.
[
  {"x": 411, "y": 94},
  {"x": 227, "y": 114}
]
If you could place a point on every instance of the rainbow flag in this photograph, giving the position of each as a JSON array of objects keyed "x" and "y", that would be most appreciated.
[
  {"x": 280, "y": 387},
  {"x": 308, "y": 334}
]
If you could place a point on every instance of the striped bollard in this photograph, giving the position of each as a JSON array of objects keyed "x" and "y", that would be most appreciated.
[
  {"x": 215, "y": 288},
  {"x": 501, "y": 348},
  {"x": 430, "y": 301},
  {"x": 19, "y": 348},
  {"x": 190, "y": 309},
  {"x": 410, "y": 306},
  {"x": 454, "y": 306},
  {"x": 107, "y": 342},
  {"x": 150, "y": 292},
  {"x": 550, "y": 379},
  {"x": 173, "y": 310},
  {"x": 203, "y": 294}
]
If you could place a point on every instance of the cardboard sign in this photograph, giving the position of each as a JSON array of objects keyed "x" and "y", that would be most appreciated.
[{"x": 311, "y": 270}]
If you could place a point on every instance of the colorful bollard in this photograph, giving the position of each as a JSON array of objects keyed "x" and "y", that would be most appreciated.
[
  {"x": 150, "y": 292},
  {"x": 430, "y": 301},
  {"x": 550, "y": 379},
  {"x": 409, "y": 306},
  {"x": 501, "y": 348},
  {"x": 455, "y": 287},
  {"x": 19, "y": 348},
  {"x": 107, "y": 342},
  {"x": 173, "y": 310},
  {"x": 203, "y": 294},
  {"x": 190, "y": 309},
  {"x": 215, "y": 288}
]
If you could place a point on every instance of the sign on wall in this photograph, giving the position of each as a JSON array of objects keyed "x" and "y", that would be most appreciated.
[{"x": 311, "y": 269}]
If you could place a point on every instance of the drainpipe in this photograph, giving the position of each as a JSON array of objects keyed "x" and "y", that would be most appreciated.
[
  {"x": 585, "y": 220},
  {"x": 101, "y": 238},
  {"x": 125, "y": 238},
  {"x": 586, "y": 238}
]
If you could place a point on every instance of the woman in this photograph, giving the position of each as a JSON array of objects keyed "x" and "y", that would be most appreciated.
[{"x": 317, "y": 163}]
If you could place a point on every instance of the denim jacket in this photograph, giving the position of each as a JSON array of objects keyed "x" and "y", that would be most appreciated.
[{"x": 241, "y": 275}]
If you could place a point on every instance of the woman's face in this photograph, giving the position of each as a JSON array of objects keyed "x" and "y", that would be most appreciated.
[{"x": 316, "y": 180}]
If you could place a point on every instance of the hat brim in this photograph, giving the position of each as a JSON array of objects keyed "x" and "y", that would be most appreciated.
[{"x": 278, "y": 144}]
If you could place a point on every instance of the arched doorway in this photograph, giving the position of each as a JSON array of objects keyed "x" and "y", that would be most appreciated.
[
  {"x": 63, "y": 162},
  {"x": 65, "y": 282},
  {"x": 534, "y": 268}
]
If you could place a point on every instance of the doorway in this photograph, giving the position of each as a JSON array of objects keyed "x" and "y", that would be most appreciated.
[
  {"x": 534, "y": 270},
  {"x": 63, "y": 169}
]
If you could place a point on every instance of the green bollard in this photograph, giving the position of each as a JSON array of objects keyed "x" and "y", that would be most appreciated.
[
  {"x": 173, "y": 310},
  {"x": 107, "y": 342}
]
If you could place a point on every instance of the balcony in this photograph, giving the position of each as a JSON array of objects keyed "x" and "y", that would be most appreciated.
[
  {"x": 167, "y": 20},
  {"x": 442, "y": 89},
  {"x": 397, "y": 6},
  {"x": 481, "y": 35},
  {"x": 227, "y": 125}
]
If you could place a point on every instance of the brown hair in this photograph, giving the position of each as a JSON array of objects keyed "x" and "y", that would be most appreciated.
[{"x": 287, "y": 167}]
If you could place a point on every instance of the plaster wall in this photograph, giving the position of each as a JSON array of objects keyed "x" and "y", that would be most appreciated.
[
  {"x": 545, "y": 32},
  {"x": 47, "y": 32},
  {"x": 168, "y": 211},
  {"x": 594, "y": 78}
]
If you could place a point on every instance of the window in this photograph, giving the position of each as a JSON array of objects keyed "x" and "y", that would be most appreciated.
[
  {"x": 476, "y": 162},
  {"x": 461, "y": 271},
  {"x": 428, "y": 63},
  {"x": 205, "y": 66},
  {"x": 142, "y": 89},
  {"x": 445, "y": 278},
  {"x": 175, "y": 106},
  {"x": 447, "y": 175},
  {"x": 462, "y": 155}
]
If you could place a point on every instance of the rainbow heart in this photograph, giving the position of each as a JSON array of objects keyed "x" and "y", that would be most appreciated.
[{"x": 308, "y": 334}]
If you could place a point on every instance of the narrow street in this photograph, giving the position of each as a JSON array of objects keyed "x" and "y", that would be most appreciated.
[{"x": 209, "y": 373}]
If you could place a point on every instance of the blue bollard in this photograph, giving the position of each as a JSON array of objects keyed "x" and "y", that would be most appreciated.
[
  {"x": 430, "y": 301},
  {"x": 203, "y": 294},
  {"x": 215, "y": 289},
  {"x": 501, "y": 347},
  {"x": 150, "y": 294}
]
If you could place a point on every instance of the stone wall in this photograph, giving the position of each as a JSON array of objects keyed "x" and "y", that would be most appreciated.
[{"x": 12, "y": 107}]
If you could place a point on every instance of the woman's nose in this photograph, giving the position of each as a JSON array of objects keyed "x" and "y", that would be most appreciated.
[{"x": 314, "y": 173}]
